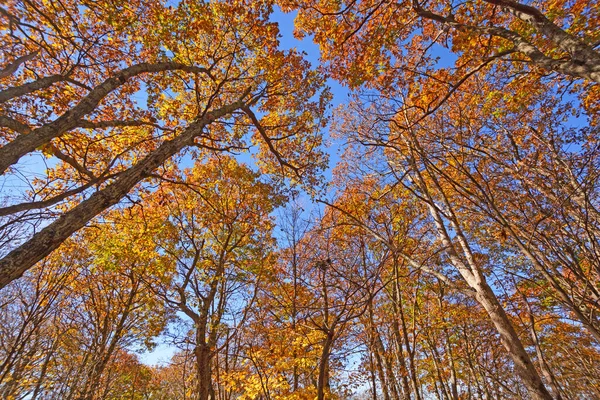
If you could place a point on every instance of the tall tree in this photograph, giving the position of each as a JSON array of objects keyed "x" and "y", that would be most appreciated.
[
  {"x": 110, "y": 100},
  {"x": 391, "y": 51},
  {"x": 84, "y": 309},
  {"x": 218, "y": 249}
]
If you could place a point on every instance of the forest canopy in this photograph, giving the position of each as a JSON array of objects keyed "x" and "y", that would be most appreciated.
[{"x": 167, "y": 178}]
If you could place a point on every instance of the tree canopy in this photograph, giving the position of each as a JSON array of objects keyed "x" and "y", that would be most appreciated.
[{"x": 164, "y": 180}]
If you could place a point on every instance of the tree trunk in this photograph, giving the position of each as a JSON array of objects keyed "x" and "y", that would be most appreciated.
[
  {"x": 19, "y": 260},
  {"x": 509, "y": 338},
  {"x": 203, "y": 371},
  {"x": 323, "y": 382}
]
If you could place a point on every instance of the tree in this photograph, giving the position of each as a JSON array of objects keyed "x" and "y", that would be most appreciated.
[
  {"x": 31, "y": 331},
  {"x": 506, "y": 44},
  {"x": 278, "y": 351},
  {"x": 413, "y": 110},
  {"x": 84, "y": 308},
  {"x": 459, "y": 255},
  {"x": 75, "y": 92},
  {"x": 218, "y": 251}
]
